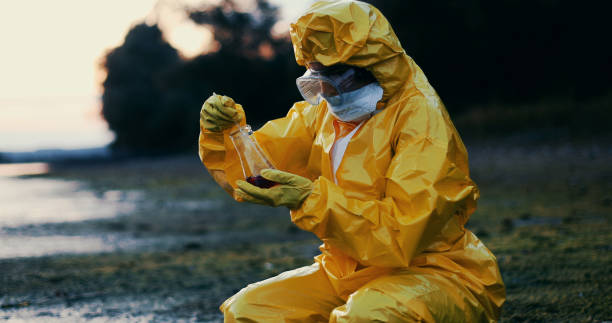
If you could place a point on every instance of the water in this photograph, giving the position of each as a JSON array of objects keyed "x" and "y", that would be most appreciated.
[
  {"x": 44, "y": 216},
  {"x": 117, "y": 309},
  {"x": 16, "y": 169},
  {"x": 34, "y": 201},
  {"x": 17, "y": 246},
  {"x": 38, "y": 200}
]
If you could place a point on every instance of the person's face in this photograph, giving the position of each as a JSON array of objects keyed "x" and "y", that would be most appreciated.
[{"x": 331, "y": 82}]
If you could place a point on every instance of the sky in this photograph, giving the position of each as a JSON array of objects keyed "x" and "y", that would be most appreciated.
[{"x": 50, "y": 60}]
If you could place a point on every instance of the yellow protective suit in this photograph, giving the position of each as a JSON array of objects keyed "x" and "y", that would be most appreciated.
[{"x": 394, "y": 244}]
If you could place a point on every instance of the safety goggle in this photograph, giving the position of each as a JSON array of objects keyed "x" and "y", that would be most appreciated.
[{"x": 329, "y": 83}]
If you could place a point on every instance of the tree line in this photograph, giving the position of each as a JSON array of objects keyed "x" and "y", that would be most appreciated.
[{"x": 474, "y": 52}]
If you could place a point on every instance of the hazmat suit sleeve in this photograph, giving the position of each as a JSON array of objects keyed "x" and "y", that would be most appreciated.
[
  {"x": 295, "y": 130},
  {"x": 219, "y": 156},
  {"x": 288, "y": 141},
  {"x": 427, "y": 184}
]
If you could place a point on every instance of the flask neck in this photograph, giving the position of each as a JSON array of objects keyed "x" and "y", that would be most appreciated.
[{"x": 246, "y": 130}]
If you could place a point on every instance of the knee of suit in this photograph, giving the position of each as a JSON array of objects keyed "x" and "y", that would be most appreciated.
[
  {"x": 235, "y": 307},
  {"x": 371, "y": 305}
]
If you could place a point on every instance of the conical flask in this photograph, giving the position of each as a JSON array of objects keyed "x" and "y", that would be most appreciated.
[{"x": 252, "y": 158}]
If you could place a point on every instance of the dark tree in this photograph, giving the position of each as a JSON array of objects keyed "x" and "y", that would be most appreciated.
[
  {"x": 137, "y": 105},
  {"x": 152, "y": 98}
]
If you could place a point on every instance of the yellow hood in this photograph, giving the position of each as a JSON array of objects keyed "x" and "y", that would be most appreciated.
[{"x": 353, "y": 33}]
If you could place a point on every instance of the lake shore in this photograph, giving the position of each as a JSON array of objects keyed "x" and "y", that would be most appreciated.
[{"x": 544, "y": 212}]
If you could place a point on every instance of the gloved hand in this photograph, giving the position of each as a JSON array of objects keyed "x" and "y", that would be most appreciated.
[
  {"x": 219, "y": 113},
  {"x": 291, "y": 190}
]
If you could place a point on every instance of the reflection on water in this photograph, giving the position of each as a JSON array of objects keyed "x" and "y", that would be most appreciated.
[
  {"x": 20, "y": 169},
  {"x": 31, "y": 201},
  {"x": 34, "y": 201},
  {"x": 27, "y": 204},
  {"x": 27, "y": 246},
  {"x": 17, "y": 246},
  {"x": 39, "y": 200},
  {"x": 119, "y": 309}
]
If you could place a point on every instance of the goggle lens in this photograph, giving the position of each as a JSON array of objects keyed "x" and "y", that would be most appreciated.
[{"x": 313, "y": 89}]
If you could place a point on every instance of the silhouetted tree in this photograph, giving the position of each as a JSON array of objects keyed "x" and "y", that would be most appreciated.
[
  {"x": 136, "y": 104},
  {"x": 152, "y": 98}
]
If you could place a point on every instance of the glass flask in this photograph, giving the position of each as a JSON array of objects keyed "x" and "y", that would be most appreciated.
[{"x": 252, "y": 158}]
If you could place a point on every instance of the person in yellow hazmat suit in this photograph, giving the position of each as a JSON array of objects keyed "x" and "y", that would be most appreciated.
[{"x": 372, "y": 165}]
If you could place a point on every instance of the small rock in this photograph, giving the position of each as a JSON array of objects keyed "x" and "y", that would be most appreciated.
[
  {"x": 481, "y": 233},
  {"x": 507, "y": 225},
  {"x": 192, "y": 246},
  {"x": 142, "y": 226}
]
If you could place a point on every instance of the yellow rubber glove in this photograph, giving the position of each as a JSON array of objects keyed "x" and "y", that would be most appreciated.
[
  {"x": 290, "y": 191},
  {"x": 219, "y": 113}
]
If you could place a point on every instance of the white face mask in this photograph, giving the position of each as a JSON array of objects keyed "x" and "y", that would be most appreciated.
[{"x": 359, "y": 104}]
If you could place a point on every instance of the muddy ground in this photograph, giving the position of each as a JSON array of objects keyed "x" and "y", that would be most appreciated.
[{"x": 183, "y": 246}]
